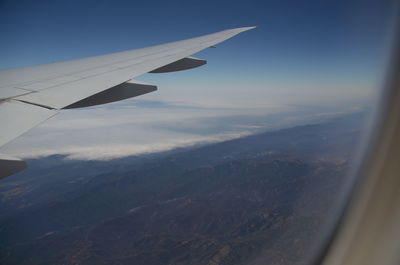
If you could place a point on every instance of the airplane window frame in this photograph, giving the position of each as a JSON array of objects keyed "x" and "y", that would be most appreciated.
[{"x": 366, "y": 229}]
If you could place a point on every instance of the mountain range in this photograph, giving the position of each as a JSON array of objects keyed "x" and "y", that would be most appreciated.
[{"x": 259, "y": 199}]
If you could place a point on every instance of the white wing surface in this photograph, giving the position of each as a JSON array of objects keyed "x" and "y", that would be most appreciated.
[{"x": 30, "y": 95}]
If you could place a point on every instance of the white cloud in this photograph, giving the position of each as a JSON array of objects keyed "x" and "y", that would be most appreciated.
[
  {"x": 176, "y": 117},
  {"x": 107, "y": 151}
]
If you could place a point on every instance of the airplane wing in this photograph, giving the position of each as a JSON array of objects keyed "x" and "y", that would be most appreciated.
[{"x": 31, "y": 95}]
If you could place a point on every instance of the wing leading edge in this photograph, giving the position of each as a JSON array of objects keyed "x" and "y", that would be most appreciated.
[{"x": 31, "y": 95}]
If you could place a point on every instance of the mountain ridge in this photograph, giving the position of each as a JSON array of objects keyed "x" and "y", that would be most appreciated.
[{"x": 215, "y": 204}]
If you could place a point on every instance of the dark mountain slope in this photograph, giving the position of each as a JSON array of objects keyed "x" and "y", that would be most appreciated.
[{"x": 218, "y": 204}]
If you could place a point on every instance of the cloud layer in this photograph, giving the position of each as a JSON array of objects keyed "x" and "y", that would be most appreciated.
[{"x": 139, "y": 126}]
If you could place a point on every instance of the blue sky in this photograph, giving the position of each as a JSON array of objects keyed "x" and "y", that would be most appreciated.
[
  {"x": 289, "y": 33},
  {"x": 305, "y": 57}
]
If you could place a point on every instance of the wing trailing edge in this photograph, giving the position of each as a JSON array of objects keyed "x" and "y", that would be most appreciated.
[
  {"x": 123, "y": 91},
  {"x": 182, "y": 64},
  {"x": 10, "y": 165}
]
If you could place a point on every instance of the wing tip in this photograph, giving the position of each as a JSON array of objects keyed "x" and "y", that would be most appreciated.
[
  {"x": 241, "y": 29},
  {"x": 236, "y": 31}
]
